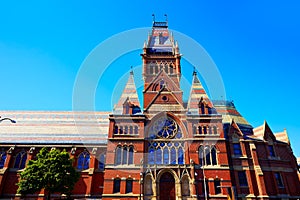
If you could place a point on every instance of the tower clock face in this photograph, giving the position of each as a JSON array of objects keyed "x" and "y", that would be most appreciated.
[{"x": 164, "y": 127}]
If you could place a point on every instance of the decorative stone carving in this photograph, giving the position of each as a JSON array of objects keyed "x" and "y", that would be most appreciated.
[
  {"x": 11, "y": 149},
  {"x": 73, "y": 150},
  {"x": 31, "y": 150}
]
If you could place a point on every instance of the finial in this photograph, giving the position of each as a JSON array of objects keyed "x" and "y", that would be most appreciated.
[
  {"x": 131, "y": 70},
  {"x": 145, "y": 44},
  {"x": 194, "y": 71},
  {"x": 153, "y": 17},
  {"x": 166, "y": 18}
]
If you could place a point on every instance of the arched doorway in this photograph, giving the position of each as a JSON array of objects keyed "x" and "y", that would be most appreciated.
[{"x": 167, "y": 187}]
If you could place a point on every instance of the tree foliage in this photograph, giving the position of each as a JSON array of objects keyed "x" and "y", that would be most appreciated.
[{"x": 52, "y": 171}]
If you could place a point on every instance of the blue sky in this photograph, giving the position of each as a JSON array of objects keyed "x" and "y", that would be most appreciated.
[{"x": 254, "y": 44}]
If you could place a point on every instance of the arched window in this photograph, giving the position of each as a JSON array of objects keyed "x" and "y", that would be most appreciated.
[
  {"x": 171, "y": 69},
  {"x": 129, "y": 185},
  {"x": 125, "y": 151},
  {"x": 215, "y": 130},
  {"x": 116, "y": 130},
  {"x": 151, "y": 156},
  {"x": 201, "y": 155},
  {"x": 200, "y": 130},
  {"x": 151, "y": 69},
  {"x": 185, "y": 186},
  {"x": 158, "y": 156},
  {"x": 101, "y": 161},
  {"x": 130, "y": 157},
  {"x": 136, "y": 130},
  {"x": 207, "y": 155},
  {"x": 166, "y": 156},
  {"x": 130, "y": 130},
  {"x": 117, "y": 184},
  {"x": 126, "y": 130},
  {"x": 83, "y": 160},
  {"x": 20, "y": 160},
  {"x": 2, "y": 159},
  {"x": 167, "y": 68},
  {"x": 121, "y": 130},
  {"x": 118, "y": 155},
  {"x": 173, "y": 156},
  {"x": 210, "y": 130},
  {"x": 213, "y": 156},
  {"x": 194, "y": 130},
  {"x": 205, "y": 130},
  {"x": 180, "y": 156},
  {"x": 148, "y": 186}
]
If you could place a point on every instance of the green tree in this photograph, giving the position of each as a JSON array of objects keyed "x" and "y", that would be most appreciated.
[{"x": 52, "y": 171}]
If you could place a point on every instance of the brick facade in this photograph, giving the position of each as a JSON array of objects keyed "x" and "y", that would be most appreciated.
[{"x": 168, "y": 149}]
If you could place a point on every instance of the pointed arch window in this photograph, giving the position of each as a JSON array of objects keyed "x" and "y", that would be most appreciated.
[
  {"x": 185, "y": 186},
  {"x": 166, "y": 156},
  {"x": 207, "y": 155},
  {"x": 20, "y": 160},
  {"x": 201, "y": 155},
  {"x": 130, "y": 155},
  {"x": 158, "y": 156},
  {"x": 125, "y": 153},
  {"x": 118, "y": 155},
  {"x": 173, "y": 156},
  {"x": 83, "y": 160},
  {"x": 2, "y": 159},
  {"x": 151, "y": 156},
  {"x": 213, "y": 156},
  {"x": 215, "y": 130},
  {"x": 148, "y": 190},
  {"x": 180, "y": 156}
]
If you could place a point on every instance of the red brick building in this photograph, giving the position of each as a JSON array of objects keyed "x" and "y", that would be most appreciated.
[{"x": 168, "y": 149}]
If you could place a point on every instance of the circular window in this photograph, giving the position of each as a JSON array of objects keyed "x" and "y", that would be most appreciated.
[
  {"x": 164, "y": 127},
  {"x": 164, "y": 98}
]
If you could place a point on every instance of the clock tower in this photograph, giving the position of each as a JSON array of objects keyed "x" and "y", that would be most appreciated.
[{"x": 161, "y": 71}]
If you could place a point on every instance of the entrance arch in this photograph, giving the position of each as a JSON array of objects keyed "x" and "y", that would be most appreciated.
[{"x": 167, "y": 187}]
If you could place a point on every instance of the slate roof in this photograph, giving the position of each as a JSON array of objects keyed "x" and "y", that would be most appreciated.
[{"x": 54, "y": 127}]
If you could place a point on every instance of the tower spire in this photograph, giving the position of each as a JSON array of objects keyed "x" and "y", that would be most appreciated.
[
  {"x": 197, "y": 94},
  {"x": 129, "y": 94}
]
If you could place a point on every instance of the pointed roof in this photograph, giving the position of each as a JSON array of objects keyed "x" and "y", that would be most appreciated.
[
  {"x": 160, "y": 40},
  {"x": 283, "y": 136},
  {"x": 264, "y": 132},
  {"x": 197, "y": 94},
  {"x": 129, "y": 94}
]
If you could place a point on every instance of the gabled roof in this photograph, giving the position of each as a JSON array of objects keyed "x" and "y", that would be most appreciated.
[
  {"x": 162, "y": 75},
  {"x": 234, "y": 129},
  {"x": 196, "y": 94},
  {"x": 282, "y": 136},
  {"x": 162, "y": 107},
  {"x": 264, "y": 132},
  {"x": 129, "y": 94}
]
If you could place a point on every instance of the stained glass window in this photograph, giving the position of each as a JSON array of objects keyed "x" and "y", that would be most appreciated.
[
  {"x": 20, "y": 160},
  {"x": 83, "y": 161}
]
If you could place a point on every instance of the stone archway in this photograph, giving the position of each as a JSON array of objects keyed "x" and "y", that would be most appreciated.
[{"x": 167, "y": 190}]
